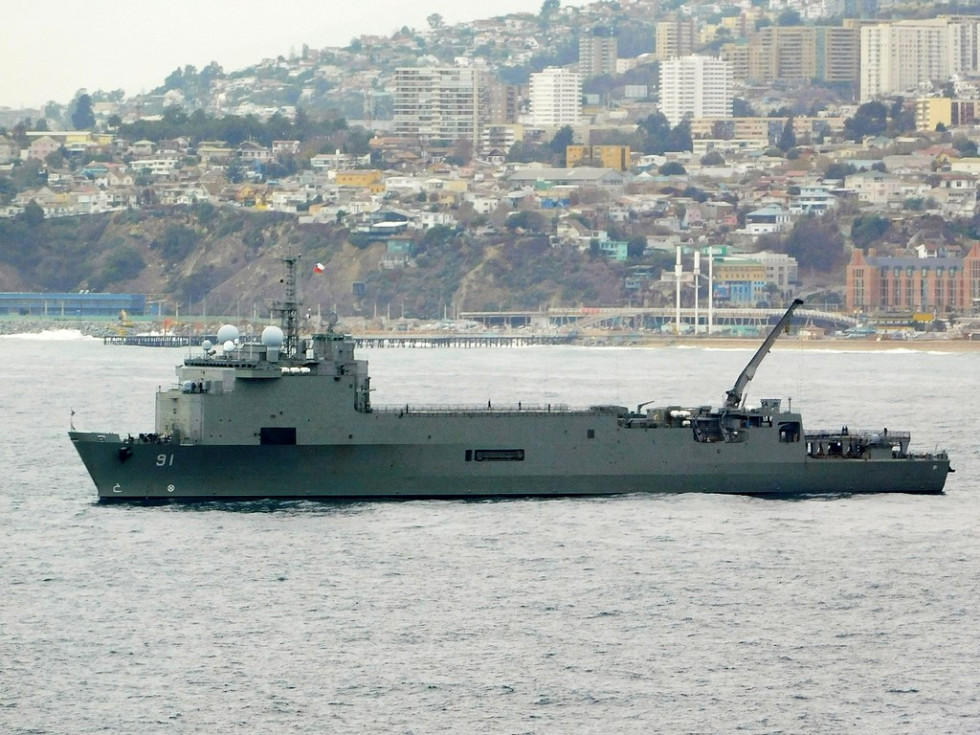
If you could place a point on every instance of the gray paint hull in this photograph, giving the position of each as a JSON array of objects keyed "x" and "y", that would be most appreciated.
[{"x": 164, "y": 472}]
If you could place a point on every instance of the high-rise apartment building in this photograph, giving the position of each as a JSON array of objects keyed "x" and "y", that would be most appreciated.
[
  {"x": 695, "y": 86},
  {"x": 556, "y": 98},
  {"x": 904, "y": 56},
  {"x": 597, "y": 54},
  {"x": 439, "y": 103},
  {"x": 675, "y": 37},
  {"x": 797, "y": 53}
]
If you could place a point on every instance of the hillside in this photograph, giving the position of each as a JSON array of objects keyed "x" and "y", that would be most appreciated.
[{"x": 227, "y": 261}]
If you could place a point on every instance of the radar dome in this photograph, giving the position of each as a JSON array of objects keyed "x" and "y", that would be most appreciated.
[
  {"x": 272, "y": 337},
  {"x": 206, "y": 345},
  {"x": 227, "y": 333},
  {"x": 229, "y": 346}
]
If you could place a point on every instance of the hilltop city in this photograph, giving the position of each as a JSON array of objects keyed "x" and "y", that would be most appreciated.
[{"x": 816, "y": 148}]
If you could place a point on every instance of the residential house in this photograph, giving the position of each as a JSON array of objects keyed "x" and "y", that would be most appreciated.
[
  {"x": 9, "y": 150},
  {"x": 285, "y": 147},
  {"x": 767, "y": 220},
  {"x": 251, "y": 153},
  {"x": 956, "y": 193},
  {"x": 812, "y": 200},
  {"x": 874, "y": 187},
  {"x": 43, "y": 147},
  {"x": 158, "y": 167}
]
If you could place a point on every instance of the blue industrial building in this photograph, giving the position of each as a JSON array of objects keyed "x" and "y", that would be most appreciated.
[{"x": 72, "y": 304}]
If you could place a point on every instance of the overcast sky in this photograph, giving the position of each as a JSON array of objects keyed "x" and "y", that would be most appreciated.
[{"x": 50, "y": 51}]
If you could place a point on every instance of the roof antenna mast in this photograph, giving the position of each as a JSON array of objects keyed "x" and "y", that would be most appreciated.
[{"x": 288, "y": 309}]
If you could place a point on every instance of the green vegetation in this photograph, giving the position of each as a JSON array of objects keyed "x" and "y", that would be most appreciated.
[{"x": 235, "y": 129}]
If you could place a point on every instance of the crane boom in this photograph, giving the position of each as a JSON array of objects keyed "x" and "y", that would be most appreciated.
[{"x": 733, "y": 398}]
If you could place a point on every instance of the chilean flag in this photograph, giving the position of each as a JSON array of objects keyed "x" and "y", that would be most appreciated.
[{"x": 318, "y": 268}]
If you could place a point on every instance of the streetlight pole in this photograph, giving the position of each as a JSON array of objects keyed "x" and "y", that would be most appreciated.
[
  {"x": 677, "y": 292},
  {"x": 697, "y": 284},
  {"x": 711, "y": 286}
]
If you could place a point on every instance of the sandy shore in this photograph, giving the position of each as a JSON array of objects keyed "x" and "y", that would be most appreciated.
[{"x": 849, "y": 345}]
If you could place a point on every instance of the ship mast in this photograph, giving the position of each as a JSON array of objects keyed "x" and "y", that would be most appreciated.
[
  {"x": 288, "y": 308},
  {"x": 733, "y": 398}
]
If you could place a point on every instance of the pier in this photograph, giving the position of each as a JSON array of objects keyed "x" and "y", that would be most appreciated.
[
  {"x": 152, "y": 340},
  {"x": 461, "y": 340},
  {"x": 364, "y": 340}
]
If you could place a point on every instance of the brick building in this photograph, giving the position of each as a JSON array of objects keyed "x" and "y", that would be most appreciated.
[{"x": 936, "y": 284}]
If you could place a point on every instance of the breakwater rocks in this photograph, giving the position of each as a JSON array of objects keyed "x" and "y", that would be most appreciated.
[{"x": 30, "y": 325}]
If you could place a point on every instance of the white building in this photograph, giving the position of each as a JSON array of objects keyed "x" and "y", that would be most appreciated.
[
  {"x": 440, "y": 103},
  {"x": 556, "y": 98},
  {"x": 695, "y": 86},
  {"x": 907, "y": 55},
  {"x": 781, "y": 269}
]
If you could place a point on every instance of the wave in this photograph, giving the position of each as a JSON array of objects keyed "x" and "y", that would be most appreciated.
[{"x": 50, "y": 335}]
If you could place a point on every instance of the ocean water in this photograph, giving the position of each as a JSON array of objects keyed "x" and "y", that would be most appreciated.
[{"x": 635, "y": 614}]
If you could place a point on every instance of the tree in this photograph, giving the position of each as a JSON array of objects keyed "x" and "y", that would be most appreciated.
[
  {"x": 787, "y": 139},
  {"x": 965, "y": 146},
  {"x": 559, "y": 144},
  {"x": 636, "y": 246},
  {"x": 867, "y": 229},
  {"x": 33, "y": 214},
  {"x": 83, "y": 118},
  {"x": 435, "y": 21},
  {"x": 8, "y": 190},
  {"x": 528, "y": 221},
  {"x": 653, "y": 131},
  {"x": 902, "y": 116},
  {"x": 462, "y": 152},
  {"x": 789, "y": 18},
  {"x": 742, "y": 108},
  {"x": 839, "y": 170},
  {"x": 673, "y": 168},
  {"x": 871, "y": 118},
  {"x": 679, "y": 138},
  {"x": 816, "y": 243},
  {"x": 712, "y": 158}
]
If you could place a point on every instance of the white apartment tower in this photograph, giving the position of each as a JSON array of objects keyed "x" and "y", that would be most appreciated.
[
  {"x": 695, "y": 86},
  {"x": 439, "y": 103},
  {"x": 556, "y": 98},
  {"x": 909, "y": 55}
]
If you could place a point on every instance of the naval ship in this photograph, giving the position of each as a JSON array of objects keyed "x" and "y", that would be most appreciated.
[{"x": 290, "y": 416}]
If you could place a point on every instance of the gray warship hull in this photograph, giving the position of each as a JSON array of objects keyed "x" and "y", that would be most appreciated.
[
  {"x": 292, "y": 418},
  {"x": 501, "y": 454}
]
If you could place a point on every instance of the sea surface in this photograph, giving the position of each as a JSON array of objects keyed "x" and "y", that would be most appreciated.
[{"x": 634, "y": 614}]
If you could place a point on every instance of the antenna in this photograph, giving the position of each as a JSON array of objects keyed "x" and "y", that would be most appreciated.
[{"x": 288, "y": 308}]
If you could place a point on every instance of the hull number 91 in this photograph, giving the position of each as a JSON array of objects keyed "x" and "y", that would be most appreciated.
[{"x": 165, "y": 460}]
